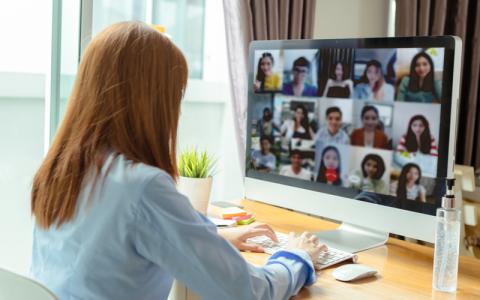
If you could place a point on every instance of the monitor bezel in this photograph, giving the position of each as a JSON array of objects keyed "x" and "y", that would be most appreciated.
[{"x": 445, "y": 151}]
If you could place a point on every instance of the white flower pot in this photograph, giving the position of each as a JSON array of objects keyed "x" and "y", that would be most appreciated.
[{"x": 197, "y": 191}]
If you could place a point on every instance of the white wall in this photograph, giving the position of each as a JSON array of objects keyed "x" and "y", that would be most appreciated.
[
  {"x": 352, "y": 19},
  {"x": 24, "y": 30}
]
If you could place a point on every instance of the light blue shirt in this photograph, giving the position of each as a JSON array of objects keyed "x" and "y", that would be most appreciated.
[
  {"x": 340, "y": 138},
  {"x": 364, "y": 91},
  {"x": 264, "y": 160},
  {"x": 134, "y": 233}
]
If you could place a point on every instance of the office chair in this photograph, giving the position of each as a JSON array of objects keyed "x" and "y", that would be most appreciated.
[{"x": 14, "y": 286}]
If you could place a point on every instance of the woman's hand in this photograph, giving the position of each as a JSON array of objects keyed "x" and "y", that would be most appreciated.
[
  {"x": 238, "y": 236},
  {"x": 307, "y": 242}
]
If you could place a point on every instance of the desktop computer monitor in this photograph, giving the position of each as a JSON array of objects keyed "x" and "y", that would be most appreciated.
[{"x": 361, "y": 131}]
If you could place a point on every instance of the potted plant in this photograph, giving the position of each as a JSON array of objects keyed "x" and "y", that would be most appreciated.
[{"x": 195, "y": 181}]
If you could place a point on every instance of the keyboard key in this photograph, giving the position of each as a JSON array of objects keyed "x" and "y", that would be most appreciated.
[{"x": 325, "y": 259}]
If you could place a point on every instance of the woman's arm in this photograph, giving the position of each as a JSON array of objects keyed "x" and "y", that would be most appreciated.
[
  {"x": 350, "y": 87},
  {"x": 311, "y": 132},
  {"x": 403, "y": 88},
  {"x": 182, "y": 242},
  {"x": 327, "y": 86},
  {"x": 422, "y": 194}
]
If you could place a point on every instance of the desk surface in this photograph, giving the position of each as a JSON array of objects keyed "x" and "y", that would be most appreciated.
[{"x": 405, "y": 269}]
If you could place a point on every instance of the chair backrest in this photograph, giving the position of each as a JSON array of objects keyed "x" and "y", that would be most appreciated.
[{"x": 16, "y": 287}]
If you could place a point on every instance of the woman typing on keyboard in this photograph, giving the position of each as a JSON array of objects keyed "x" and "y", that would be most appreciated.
[{"x": 110, "y": 223}]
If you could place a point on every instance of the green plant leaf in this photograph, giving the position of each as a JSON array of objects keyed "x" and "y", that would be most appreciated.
[{"x": 195, "y": 164}]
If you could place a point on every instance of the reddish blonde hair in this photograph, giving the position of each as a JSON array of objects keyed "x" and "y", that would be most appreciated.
[{"x": 125, "y": 100}]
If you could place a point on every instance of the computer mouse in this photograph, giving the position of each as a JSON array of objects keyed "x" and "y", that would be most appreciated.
[{"x": 353, "y": 272}]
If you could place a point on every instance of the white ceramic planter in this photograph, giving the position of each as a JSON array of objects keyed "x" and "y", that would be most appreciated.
[{"x": 197, "y": 191}]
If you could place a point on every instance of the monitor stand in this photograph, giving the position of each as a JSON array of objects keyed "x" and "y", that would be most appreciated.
[{"x": 352, "y": 238}]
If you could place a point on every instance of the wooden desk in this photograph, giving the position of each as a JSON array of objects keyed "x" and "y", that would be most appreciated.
[{"x": 405, "y": 269}]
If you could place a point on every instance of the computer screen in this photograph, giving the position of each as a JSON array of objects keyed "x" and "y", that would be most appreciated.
[{"x": 367, "y": 119}]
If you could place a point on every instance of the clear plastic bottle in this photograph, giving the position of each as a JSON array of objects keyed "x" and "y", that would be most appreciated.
[{"x": 447, "y": 242}]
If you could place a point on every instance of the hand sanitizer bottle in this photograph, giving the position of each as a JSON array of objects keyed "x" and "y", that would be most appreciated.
[{"x": 447, "y": 242}]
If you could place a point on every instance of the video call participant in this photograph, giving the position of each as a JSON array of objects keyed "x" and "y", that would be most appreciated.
[
  {"x": 332, "y": 133},
  {"x": 418, "y": 138},
  {"x": 409, "y": 187},
  {"x": 330, "y": 170},
  {"x": 339, "y": 85},
  {"x": 298, "y": 86},
  {"x": 372, "y": 84},
  {"x": 369, "y": 179},
  {"x": 299, "y": 126},
  {"x": 263, "y": 159},
  {"x": 295, "y": 170},
  {"x": 420, "y": 85},
  {"x": 369, "y": 135},
  {"x": 267, "y": 80},
  {"x": 265, "y": 124}
]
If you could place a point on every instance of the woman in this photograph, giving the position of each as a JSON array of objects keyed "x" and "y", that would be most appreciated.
[
  {"x": 339, "y": 85},
  {"x": 110, "y": 223},
  {"x": 330, "y": 171},
  {"x": 369, "y": 135},
  {"x": 418, "y": 138},
  {"x": 266, "y": 80},
  {"x": 420, "y": 85},
  {"x": 370, "y": 177},
  {"x": 372, "y": 84},
  {"x": 299, "y": 127},
  {"x": 409, "y": 187}
]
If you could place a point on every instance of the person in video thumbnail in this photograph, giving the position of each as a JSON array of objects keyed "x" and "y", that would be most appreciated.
[
  {"x": 369, "y": 179},
  {"x": 418, "y": 138},
  {"x": 339, "y": 85},
  {"x": 265, "y": 124},
  {"x": 263, "y": 159},
  {"x": 372, "y": 84},
  {"x": 369, "y": 135},
  {"x": 299, "y": 126},
  {"x": 409, "y": 186},
  {"x": 298, "y": 87},
  {"x": 329, "y": 171},
  {"x": 295, "y": 170},
  {"x": 266, "y": 80},
  {"x": 333, "y": 132},
  {"x": 420, "y": 85}
]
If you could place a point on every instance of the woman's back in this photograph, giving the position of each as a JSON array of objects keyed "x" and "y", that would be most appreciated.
[{"x": 95, "y": 255}]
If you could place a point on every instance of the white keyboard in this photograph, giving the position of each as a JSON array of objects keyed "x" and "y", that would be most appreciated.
[{"x": 326, "y": 259}]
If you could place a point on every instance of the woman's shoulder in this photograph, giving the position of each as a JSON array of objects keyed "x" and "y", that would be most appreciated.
[
  {"x": 388, "y": 87},
  {"x": 135, "y": 173},
  {"x": 421, "y": 188},
  {"x": 405, "y": 80},
  {"x": 275, "y": 76},
  {"x": 357, "y": 132},
  {"x": 380, "y": 133}
]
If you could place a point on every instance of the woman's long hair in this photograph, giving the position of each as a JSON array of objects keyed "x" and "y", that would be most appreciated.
[
  {"x": 344, "y": 70},
  {"x": 364, "y": 79},
  {"x": 321, "y": 177},
  {"x": 260, "y": 74},
  {"x": 428, "y": 82},
  {"x": 402, "y": 180},
  {"x": 380, "y": 165},
  {"x": 425, "y": 138},
  {"x": 125, "y": 100},
  {"x": 305, "y": 123}
]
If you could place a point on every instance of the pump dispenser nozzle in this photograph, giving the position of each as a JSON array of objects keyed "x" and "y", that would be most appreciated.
[{"x": 448, "y": 201}]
